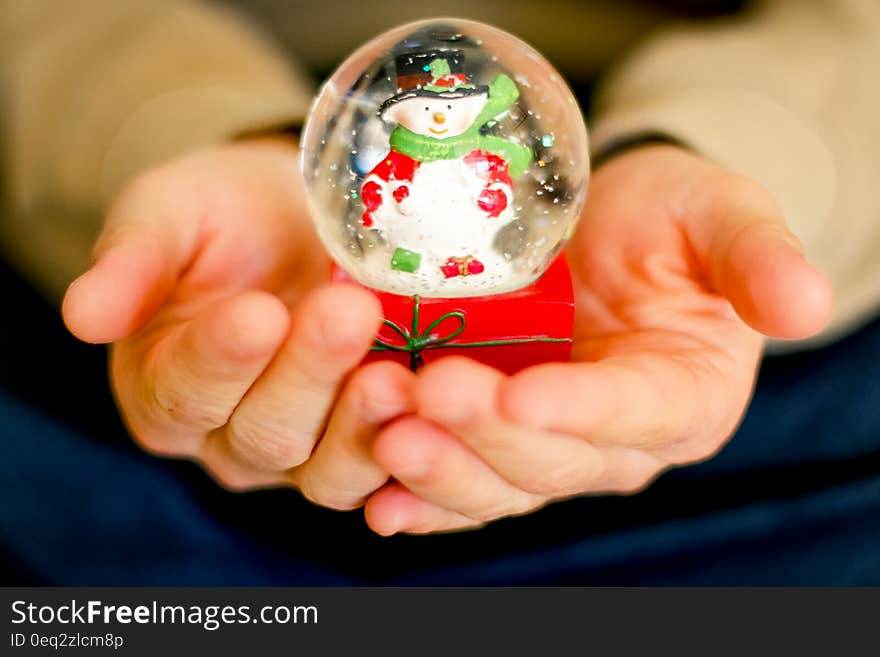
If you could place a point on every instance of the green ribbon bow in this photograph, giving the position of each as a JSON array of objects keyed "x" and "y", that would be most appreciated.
[{"x": 415, "y": 342}]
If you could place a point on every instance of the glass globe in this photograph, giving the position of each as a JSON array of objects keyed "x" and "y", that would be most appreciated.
[{"x": 445, "y": 158}]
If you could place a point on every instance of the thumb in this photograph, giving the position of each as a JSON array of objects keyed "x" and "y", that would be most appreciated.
[
  {"x": 756, "y": 262},
  {"x": 136, "y": 264},
  {"x": 122, "y": 290}
]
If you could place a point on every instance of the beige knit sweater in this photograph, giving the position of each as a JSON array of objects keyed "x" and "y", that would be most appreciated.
[{"x": 94, "y": 91}]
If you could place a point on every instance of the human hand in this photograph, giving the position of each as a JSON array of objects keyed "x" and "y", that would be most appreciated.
[
  {"x": 228, "y": 349},
  {"x": 679, "y": 269}
]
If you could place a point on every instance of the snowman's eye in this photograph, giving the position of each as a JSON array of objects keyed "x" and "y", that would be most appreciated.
[
  {"x": 427, "y": 109},
  {"x": 449, "y": 107}
]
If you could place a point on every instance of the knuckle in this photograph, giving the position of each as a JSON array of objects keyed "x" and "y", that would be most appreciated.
[
  {"x": 505, "y": 508},
  {"x": 187, "y": 409},
  {"x": 328, "y": 497},
  {"x": 485, "y": 515},
  {"x": 346, "y": 449},
  {"x": 155, "y": 443},
  {"x": 709, "y": 446},
  {"x": 633, "y": 484},
  {"x": 565, "y": 479},
  {"x": 493, "y": 441},
  {"x": 537, "y": 485},
  {"x": 264, "y": 447},
  {"x": 425, "y": 476},
  {"x": 369, "y": 392},
  {"x": 378, "y": 374},
  {"x": 340, "y": 503},
  {"x": 231, "y": 473},
  {"x": 231, "y": 479},
  {"x": 307, "y": 363},
  {"x": 550, "y": 484},
  {"x": 695, "y": 448},
  {"x": 160, "y": 441}
]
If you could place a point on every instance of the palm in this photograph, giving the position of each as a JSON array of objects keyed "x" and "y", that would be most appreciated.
[
  {"x": 251, "y": 232},
  {"x": 645, "y": 304}
]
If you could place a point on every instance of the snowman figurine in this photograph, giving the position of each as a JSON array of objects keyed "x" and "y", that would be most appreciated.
[{"x": 445, "y": 189}]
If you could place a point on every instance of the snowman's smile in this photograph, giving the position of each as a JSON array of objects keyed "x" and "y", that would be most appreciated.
[{"x": 439, "y": 132}]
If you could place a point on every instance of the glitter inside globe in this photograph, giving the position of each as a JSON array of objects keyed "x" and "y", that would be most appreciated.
[{"x": 445, "y": 158}]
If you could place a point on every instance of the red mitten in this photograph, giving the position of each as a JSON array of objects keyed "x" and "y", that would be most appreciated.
[{"x": 492, "y": 201}]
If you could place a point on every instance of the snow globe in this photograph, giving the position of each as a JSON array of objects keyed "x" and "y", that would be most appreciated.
[{"x": 446, "y": 164}]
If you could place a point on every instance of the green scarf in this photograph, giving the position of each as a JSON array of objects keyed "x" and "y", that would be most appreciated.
[{"x": 502, "y": 94}]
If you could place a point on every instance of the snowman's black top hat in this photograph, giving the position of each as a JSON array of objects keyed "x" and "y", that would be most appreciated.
[{"x": 434, "y": 73}]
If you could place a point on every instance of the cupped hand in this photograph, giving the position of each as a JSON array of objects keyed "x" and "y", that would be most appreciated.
[
  {"x": 229, "y": 347},
  {"x": 680, "y": 269}
]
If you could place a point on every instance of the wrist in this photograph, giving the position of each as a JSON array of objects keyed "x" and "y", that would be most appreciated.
[
  {"x": 288, "y": 132},
  {"x": 628, "y": 143},
  {"x": 279, "y": 147}
]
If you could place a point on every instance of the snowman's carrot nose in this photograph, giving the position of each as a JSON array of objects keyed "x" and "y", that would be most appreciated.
[{"x": 439, "y": 117}]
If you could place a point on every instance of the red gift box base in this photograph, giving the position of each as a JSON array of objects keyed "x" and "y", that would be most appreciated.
[{"x": 509, "y": 331}]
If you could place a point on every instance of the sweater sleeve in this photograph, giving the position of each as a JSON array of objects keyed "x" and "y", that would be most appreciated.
[
  {"x": 787, "y": 94},
  {"x": 94, "y": 91}
]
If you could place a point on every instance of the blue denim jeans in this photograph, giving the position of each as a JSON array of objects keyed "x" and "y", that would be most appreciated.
[{"x": 793, "y": 499}]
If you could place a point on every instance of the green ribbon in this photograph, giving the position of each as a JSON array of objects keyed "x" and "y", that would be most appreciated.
[
  {"x": 415, "y": 341},
  {"x": 502, "y": 94}
]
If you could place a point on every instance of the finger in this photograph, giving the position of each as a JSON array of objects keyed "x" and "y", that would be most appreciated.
[
  {"x": 755, "y": 261},
  {"x": 277, "y": 423},
  {"x": 394, "y": 509},
  {"x": 434, "y": 465},
  {"x": 341, "y": 472},
  {"x": 643, "y": 401},
  {"x": 194, "y": 377},
  {"x": 610, "y": 402},
  {"x": 538, "y": 461}
]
